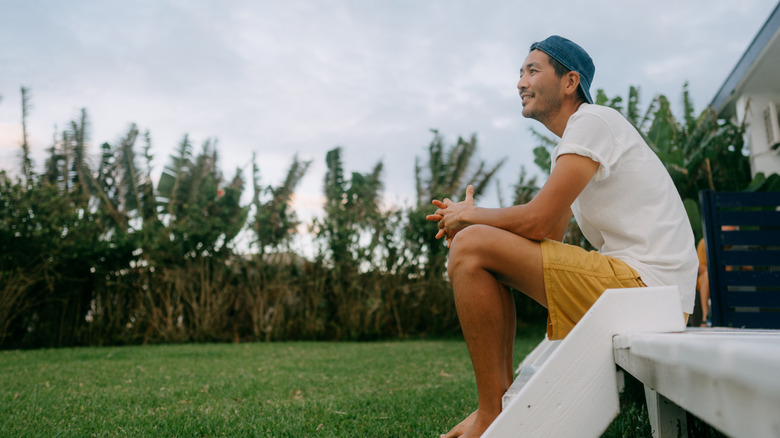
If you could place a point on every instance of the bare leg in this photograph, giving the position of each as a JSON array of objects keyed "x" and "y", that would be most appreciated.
[
  {"x": 510, "y": 320},
  {"x": 482, "y": 260},
  {"x": 704, "y": 294}
]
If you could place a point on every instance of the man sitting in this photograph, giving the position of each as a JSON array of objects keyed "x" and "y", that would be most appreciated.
[{"x": 619, "y": 192}]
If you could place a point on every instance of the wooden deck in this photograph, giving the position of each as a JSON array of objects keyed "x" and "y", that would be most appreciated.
[{"x": 729, "y": 378}]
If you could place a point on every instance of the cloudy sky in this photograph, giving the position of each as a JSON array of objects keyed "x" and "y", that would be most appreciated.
[{"x": 284, "y": 77}]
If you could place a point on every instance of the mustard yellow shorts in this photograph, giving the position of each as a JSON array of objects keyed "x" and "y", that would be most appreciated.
[{"x": 574, "y": 279}]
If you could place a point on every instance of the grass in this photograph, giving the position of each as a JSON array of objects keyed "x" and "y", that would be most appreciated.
[
  {"x": 314, "y": 389},
  {"x": 381, "y": 389}
]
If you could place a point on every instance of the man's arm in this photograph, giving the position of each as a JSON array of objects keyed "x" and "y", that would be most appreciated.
[
  {"x": 544, "y": 216},
  {"x": 559, "y": 232}
]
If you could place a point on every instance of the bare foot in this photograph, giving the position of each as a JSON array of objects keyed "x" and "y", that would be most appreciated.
[
  {"x": 462, "y": 427},
  {"x": 478, "y": 427}
]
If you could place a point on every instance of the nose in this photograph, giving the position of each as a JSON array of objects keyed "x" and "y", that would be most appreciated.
[{"x": 521, "y": 85}]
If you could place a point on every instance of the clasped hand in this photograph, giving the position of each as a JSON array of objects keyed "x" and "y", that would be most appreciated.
[{"x": 449, "y": 215}]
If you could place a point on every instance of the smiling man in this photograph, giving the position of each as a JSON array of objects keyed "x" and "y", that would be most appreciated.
[{"x": 620, "y": 195}]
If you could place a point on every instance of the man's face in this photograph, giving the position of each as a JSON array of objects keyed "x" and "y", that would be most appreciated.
[{"x": 540, "y": 88}]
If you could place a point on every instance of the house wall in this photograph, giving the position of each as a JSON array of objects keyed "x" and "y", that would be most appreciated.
[{"x": 750, "y": 108}]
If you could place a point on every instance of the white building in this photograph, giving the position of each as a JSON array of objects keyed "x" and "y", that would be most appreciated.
[{"x": 751, "y": 93}]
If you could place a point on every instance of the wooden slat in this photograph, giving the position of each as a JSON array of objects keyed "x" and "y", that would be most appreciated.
[
  {"x": 750, "y": 237},
  {"x": 751, "y": 278},
  {"x": 748, "y": 218},
  {"x": 754, "y": 299},
  {"x": 763, "y": 320},
  {"x": 745, "y": 199},
  {"x": 751, "y": 258}
]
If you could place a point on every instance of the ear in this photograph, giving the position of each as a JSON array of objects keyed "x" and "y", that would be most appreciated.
[{"x": 571, "y": 82}]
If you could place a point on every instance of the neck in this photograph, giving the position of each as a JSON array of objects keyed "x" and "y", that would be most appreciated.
[{"x": 557, "y": 123}]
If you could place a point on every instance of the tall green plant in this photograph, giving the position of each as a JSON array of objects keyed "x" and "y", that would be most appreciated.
[
  {"x": 274, "y": 221},
  {"x": 91, "y": 255},
  {"x": 445, "y": 174},
  {"x": 699, "y": 152},
  {"x": 201, "y": 211},
  {"x": 27, "y": 163},
  {"x": 353, "y": 213},
  {"x": 53, "y": 246}
]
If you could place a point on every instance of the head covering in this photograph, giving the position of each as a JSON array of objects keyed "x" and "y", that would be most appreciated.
[{"x": 572, "y": 56}]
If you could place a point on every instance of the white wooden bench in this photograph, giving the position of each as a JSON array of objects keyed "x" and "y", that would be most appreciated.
[
  {"x": 570, "y": 388},
  {"x": 730, "y": 378}
]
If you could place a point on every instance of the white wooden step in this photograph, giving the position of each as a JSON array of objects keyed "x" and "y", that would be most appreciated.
[
  {"x": 574, "y": 393},
  {"x": 528, "y": 368}
]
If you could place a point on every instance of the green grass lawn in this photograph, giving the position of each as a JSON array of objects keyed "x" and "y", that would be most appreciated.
[
  {"x": 381, "y": 389},
  {"x": 303, "y": 389}
]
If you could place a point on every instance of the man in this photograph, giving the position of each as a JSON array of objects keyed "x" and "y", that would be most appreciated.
[{"x": 621, "y": 196}]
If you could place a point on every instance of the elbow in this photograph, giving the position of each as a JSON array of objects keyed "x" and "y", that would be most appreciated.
[
  {"x": 539, "y": 232},
  {"x": 541, "y": 228},
  {"x": 533, "y": 223}
]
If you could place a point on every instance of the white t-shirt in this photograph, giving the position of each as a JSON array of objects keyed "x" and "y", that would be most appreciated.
[{"x": 630, "y": 209}]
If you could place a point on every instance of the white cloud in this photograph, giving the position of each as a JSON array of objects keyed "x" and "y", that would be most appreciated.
[
  {"x": 10, "y": 146},
  {"x": 10, "y": 136},
  {"x": 305, "y": 76}
]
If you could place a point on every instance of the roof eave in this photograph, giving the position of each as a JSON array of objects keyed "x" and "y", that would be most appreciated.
[{"x": 723, "y": 101}]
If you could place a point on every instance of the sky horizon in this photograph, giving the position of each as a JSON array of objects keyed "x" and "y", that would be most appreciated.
[{"x": 302, "y": 77}]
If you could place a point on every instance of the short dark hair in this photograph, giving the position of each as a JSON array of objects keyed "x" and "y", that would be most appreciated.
[{"x": 561, "y": 70}]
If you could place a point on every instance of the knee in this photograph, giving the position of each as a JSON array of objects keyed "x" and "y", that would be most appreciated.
[
  {"x": 469, "y": 237},
  {"x": 466, "y": 247}
]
